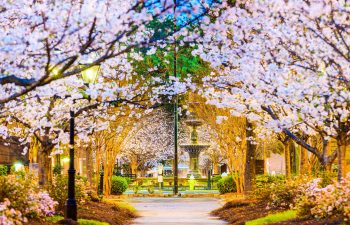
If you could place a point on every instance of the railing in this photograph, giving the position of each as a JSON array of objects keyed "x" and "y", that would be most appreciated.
[{"x": 128, "y": 175}]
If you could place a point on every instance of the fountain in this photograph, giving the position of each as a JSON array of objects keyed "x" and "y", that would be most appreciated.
[{"x": 195, "y": 148}]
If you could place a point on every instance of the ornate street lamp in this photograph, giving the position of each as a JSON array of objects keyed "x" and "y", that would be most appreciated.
[{"x": 89, "y": 75}]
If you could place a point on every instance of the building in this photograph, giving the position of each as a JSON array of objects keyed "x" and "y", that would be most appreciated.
[{"x": 11, "y": 151}]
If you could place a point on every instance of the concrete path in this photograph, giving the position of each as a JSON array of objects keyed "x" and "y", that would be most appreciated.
[{"x": 175, "y": 211}]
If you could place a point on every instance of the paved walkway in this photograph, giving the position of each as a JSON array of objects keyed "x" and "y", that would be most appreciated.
[{"x": 179, "y": 211}]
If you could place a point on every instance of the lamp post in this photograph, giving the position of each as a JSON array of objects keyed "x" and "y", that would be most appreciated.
[
  {"x": 176, "y": 116},
  {"x": 89, "y": 76}
]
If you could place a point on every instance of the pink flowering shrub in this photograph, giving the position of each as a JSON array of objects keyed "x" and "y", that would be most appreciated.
[
  {"x": 40, "y": 204},
  {"x": 10, "y": 216},
  {"x": 23, "y": 199},
  {"x": 330, "y": 201}
]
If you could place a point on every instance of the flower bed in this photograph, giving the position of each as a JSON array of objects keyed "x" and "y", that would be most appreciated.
[
  {"x": 20, "y": 199},
  {"x": 326, "y": 202}
]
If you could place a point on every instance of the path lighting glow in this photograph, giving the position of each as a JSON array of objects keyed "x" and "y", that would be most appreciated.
[
  {"x": 65, "y": 159},
  {"x": 224, "y": 174},
  {"x": 18, "y": 166}
]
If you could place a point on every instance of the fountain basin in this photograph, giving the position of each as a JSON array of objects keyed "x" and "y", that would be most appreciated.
[{"x": 194, "y": 150}]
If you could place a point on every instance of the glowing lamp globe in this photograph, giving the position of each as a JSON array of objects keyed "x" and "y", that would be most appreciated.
[
  {"x": 18, "y": 166},
  {"x": 90, "y": 74}
]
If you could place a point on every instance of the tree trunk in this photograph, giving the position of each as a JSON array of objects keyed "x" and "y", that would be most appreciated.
[
  {"x": 249, "y": 172},
  {"x": 89, "y": 165},
  {"x": 342, "y": 167},
  {"x": 45, "y": 166},
  {"x": 216, "y": 168},
  {"x": 304, "y": 161},
  {"x": 236, "y": 180},
  {"x": 133, "y": 166},
  {"x": 97, "y": 170},
  {"x": 265, "y": 158},
  {"x": 287, "y": 159},
  {"x": 107, "y": 179}
]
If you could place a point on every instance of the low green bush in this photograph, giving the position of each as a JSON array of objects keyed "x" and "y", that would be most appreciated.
[
  {"x": 150, "y": 189},
  {"x": 128, "y": 180},
  {"x": 3, "y": 170},
  {"x": 280, "y": 194},
  {"x": 136, "y": 189},
  {"x": 57, "y": 169},
  {"x": 58, "y": 190},
  {"x": 226, "y": 185},
  {"x": 265, "y": 180},
  {"x": 119, "y": 185}
]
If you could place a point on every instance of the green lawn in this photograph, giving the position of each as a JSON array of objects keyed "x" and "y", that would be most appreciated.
[
  {"x": 121, "y": 204},
  {"x": 55, "y": 219},
  {"x": 274, "y": 218}
]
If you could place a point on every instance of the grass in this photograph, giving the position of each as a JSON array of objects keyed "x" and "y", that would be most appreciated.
[
  {"x": 91, "y": 222},
  {"x": 274, "y": 218},
  {"x": 54, "y": 219},
  {"x": 120, "y": 204}
]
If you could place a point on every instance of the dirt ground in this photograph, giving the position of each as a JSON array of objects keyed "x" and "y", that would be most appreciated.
[
  {"x": 105, "y": 212},
  {"x": 100, "y": 211},
  {"x": 237, "y": 212}
]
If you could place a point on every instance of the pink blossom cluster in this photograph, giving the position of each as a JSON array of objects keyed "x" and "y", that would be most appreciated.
[
  {"x": 40, "y": 204},
  {"x": 10, "y": 216},
  {"x": 22, "y": 199},
  {"x": 329, "y": 201}
]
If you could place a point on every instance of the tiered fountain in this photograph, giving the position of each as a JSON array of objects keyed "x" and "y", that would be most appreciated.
[{"x": 195, "y": 148}]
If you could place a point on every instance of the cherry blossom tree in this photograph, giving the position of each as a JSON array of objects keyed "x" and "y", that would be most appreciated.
[
  {"x": 288, "y": 60},
  {"x": 149, "y": 142},
  {"x": 43, "y": 41}
]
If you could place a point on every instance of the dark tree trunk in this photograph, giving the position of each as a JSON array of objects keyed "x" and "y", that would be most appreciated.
[
  {"x": 45, "y": 166},
  {"x": 249, "y": 172}
]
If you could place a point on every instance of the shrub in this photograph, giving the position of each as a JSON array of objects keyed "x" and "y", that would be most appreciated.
[
  {"x": 150, "y": 189},
  {"x": 57, "y": 169},
  {"x": 324, "y": 202},
  {"x": 119, "y": 185},
  {"x": 136, "y": 189},
  {"x": 9, "y": 215},
  {"x": 128, "y": 180},
  {"x": 280, "y": 194},
  {"x": 3, "y": 170},
  {"x": 59, "y": 190},
  {"x": 23, "y": 199},
  {"x": 226, "y": 185},
  {"x": 263, "y": 181}
]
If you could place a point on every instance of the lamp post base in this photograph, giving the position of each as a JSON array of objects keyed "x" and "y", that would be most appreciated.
[{"x": 71, "y": 210}]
